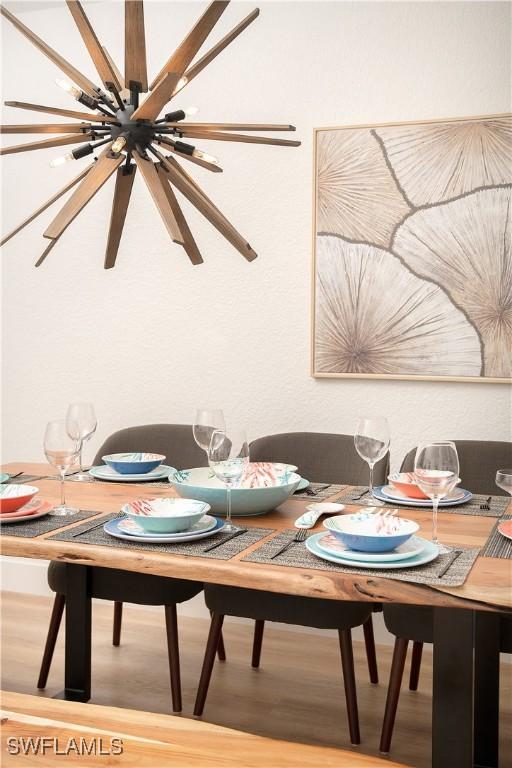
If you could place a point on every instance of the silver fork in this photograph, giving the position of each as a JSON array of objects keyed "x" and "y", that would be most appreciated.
[
  {"x": 484, "y": 506},
  {"x": 301, "y": 535},
  {"x": 360, "y": 495},
  {"x": 98, "y": 525}
]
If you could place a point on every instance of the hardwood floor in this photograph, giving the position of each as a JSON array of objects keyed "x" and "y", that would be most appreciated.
[{"x": 292, "y": 696}]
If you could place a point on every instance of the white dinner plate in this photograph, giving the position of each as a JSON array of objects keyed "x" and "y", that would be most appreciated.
[
  {"x": 206, "y": 523},
  {"x": 413, "y": 546},
  {"x": 429, "y": 553},
  {"x": 104, "y": 472},
  {"x": 112, "y": 528},
  {"x": 394, "y": 493},
  {"x": 381, "y": 493}
]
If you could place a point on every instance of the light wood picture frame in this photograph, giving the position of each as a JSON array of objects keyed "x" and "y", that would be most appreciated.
[{"x": 412, "y": 250}]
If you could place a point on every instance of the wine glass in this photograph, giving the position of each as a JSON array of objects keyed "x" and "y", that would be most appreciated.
[
  {"x": 207, "y": 420},
  {"x": 228, "y": 456},
  {"x": 372, "y": 443},
  {"x": 504, "y": 480},
  {"x": 436, "y": 471},
  {"x": 82, "y": 423},
  {"x": 62, "y": 451}
]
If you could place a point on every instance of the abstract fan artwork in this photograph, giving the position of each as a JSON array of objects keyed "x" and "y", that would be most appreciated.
[
  {"x": 132, "y": 132},
  {"x": 413, "y": 262}
]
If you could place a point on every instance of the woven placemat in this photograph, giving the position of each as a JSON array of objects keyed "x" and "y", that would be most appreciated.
[
  {"x": 318, "y": 491},
  {"x": 29, "y": 529},
  {"x": 91, "y": 479},
  {"x": 498, "y": 545},
  {"x": 25, "y": 478},
  {"x": 193, "y": 548},
  {"x": 299, "y": 557},
  {"x": 498, "y": 504}
]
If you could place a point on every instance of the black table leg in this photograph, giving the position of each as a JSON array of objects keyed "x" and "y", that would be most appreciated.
[
  {"x": 77, "y": 675},
  {"x": 452, "y": 705},
  {"x": 487, "y": 689}
]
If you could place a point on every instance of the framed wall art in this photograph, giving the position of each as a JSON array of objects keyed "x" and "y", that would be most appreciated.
[{"x": 412, "y": 265}]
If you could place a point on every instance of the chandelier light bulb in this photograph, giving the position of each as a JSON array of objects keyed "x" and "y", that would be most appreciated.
[
  {"x": 118, "y": 144},
  {"x": 69, "y": 88},
  {"x": 205, "y": 156},
  {"x": 189, "y": 111},
  {"x": 61, "y": 160}
]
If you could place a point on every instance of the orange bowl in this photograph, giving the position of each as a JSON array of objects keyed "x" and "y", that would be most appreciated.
[
  {"x": 14, "y": 496},
  {"x": 406, "y": 484}
]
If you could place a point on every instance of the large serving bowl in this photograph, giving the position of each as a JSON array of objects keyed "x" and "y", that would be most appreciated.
[
  {"x": 14, "y": 496},
  {"x": 133, "y": 463},
  {"x": 369, "y": 532},
  {"x": 166, "y": 515},
  {"x": 405, "y": 483},
  {"x": 201, "y": 483}
]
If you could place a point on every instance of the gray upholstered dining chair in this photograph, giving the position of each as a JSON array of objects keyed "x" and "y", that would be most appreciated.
[
  {"x": 290, "y": 609},
  {"x": 416, "y": 624},
  {"x": 479, "y": 460},
  {"x": 323, "y": 458},
  {"x": 176, "y": 443},
  {"x": 327, "y": 458}
]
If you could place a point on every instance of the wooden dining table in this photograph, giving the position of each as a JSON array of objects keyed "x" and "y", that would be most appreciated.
[{"x": 466, "y": 618}]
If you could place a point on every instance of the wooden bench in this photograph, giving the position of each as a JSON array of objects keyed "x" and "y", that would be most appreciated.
[{"x": 148, "y": 740}]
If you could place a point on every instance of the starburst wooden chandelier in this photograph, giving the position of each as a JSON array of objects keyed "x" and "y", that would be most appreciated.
[{"x": 134, "y": 134}]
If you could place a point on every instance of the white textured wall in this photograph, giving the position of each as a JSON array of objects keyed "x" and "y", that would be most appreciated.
[{"x": 155, "y": 337}]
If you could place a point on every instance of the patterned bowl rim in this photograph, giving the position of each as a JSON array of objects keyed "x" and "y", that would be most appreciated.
[
  {"x": 205, "y": 508},
  {"x": 406, "y": 478},
  {"x": 331, "y": 525},
  {"x": 293, "y": 479},
  {"x": 124, "y": 458},
  {"x": 16, "y": 487}
]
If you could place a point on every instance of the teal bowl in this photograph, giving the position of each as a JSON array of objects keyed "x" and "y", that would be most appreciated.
[
  {"x": 201, "y": 483},
  {"x": 166, "y": 515}
]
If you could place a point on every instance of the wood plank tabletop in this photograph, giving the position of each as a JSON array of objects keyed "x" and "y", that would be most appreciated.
[
  {"x": 487, "y": 587},
  {"x": 150, "y": 740}
]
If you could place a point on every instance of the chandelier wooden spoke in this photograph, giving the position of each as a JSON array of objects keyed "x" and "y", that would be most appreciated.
[{"x": 133, "y": 136}]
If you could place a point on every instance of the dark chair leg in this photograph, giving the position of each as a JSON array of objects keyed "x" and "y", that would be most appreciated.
[
  {"x": 395, "y": 681},
  {"x": 171, "y": 624},
  {"x": 371, "y": 656},
  {"x": 221, "y": 651},
  {"x": 259, "y": 626},
  {"x": 51, "y": 639},
  {"x": 209, "y": 659},
  {"x": 118, "y": 616},
  {"x": 417, "y": 650},
  {"x": 349, "y": 679}
]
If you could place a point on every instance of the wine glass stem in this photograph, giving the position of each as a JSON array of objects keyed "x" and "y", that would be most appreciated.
[
  {"x": 371, "y": 479},
  {"x": 80, "y": 456},
  {"x": 228, "y": 513},
  {"x": 62, "y": 488},
  {"x": 435, "y": 504}
]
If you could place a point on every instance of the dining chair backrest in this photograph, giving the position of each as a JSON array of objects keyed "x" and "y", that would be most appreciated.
[
  {"x": 479, "y": 460},
  {"x": 321, "y": 457},
  {"x": 175, "y": 441}
]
